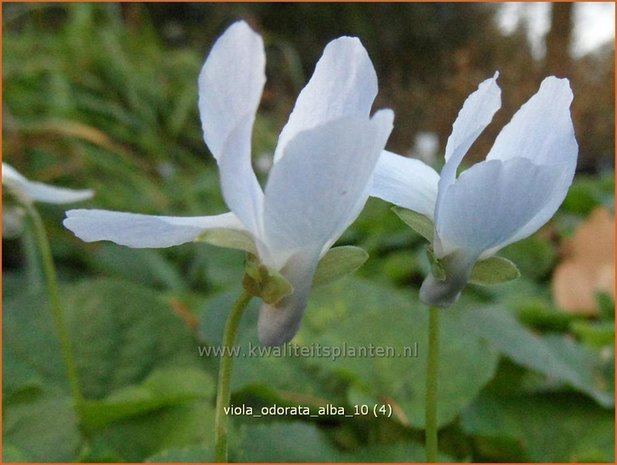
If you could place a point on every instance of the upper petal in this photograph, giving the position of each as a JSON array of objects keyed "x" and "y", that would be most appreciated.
[
  {"x": 344, "y": 83},
  {"x": 491, "y": 203},
  {"x": 230, "y": 84},
  {"x": 239, "y": 185},
  {"x": 541, "y": 130},
  {"x": 476, "y": 114},
  {"x": 315, "y": 191},
  {"x": 230, "y": 87},
  {"x": 405, "y": 182},
  {"x": 144, "y": 231},
  {"x": 40, "y": 192}
]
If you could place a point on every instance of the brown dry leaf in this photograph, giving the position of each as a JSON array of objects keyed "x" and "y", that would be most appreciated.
[{"x": 588, "y": 266}]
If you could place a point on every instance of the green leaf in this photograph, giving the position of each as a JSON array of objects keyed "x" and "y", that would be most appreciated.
[
  {"x": 10, "y": 453},
  {"x": 548, "y": 428},
  {"x": 493, "y": 270},
  {"x": 229, "y": 238},
  {"x": 556, "y": 357},
  {"x": 44, "y": 429},
  {"x": 31, "y": 352},
  {"x": 416, "y": 221},
  {"x": 594, "y": 333},
  {"x": 148, "y": 267},
  {"x": 535, "y": 256},
  {"x": 359, "y": 314},
  {"x": 283, "y": 442},
  {"x": 189, "y": 454},
  {"x": 143, "y": 436},
  {"x": 399, "y": 452},
  {"x": 606, "y": 306},
  {"x": 121, "y": 332},
  {"x": 337, "y": 263},
  {"x": 257, "y": 370},
  {"x": 162, "y": 388}
]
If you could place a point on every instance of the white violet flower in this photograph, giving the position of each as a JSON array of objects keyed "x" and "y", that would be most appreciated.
[
  {"x": 317, "y": 186},
  {"x": 28, "y": 191},
  {"x": 496, "y": 202}
]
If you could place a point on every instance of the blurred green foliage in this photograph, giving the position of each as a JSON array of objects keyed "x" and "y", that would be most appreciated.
[{"x": 104, "y": 96}]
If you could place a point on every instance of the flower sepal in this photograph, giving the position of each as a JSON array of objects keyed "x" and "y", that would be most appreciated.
[
  {"x": 264, "y": 282},
  {"x": 337, "y": 263},
  {"x": 494, "y": 270},
  {"x": 437, "y": 267},
  {"x": 416, "y": 221},
  {"x": 228, "y": 238}
]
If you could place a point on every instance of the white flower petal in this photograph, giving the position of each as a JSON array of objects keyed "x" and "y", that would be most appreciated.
[
  {"x": 279, "y": 323},
  {"x": 40, "y": 192},
  {"x": 315, "y": 191},
  {"x": 405, "y": 182},
  {"x": 230, "y": 87},
  {"x": 554, "y": 194},
  {"x": 239, "y": 185},
  {"x": 344, "y": 84},
  {"x": 143, "y": 231},
  {"x": 230, "y": 84},
  {"x": 10, "y": 174},
  {"x": 541, "y": 130},
  {"x": 476, "y": 114},
  {"x": 491, "y": 203}
]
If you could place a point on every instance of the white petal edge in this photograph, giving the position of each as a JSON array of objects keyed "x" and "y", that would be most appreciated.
[
  {"x": 476, "y": 114},
  {"x": 40, "y": 192},
  {"x": 239, "y": 185},
  {"x": 315, "y": 190},
  {"x": 344, "y": 83},
  {"x": 541, "y": 130},
  {"x": 406, "y": 182},
  {"x": 230, "y": 84},
  {"x": 492, "y": 202},
  {"x": 143, "y": 231}
]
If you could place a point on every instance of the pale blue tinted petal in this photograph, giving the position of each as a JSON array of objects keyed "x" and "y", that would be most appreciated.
[
  {"x": 344, "y": 84},
  {"x": 314, "y": 191},
  {"x": 230, "y": 84},
  {"x": 405, "y": 182},
  {"x": 476, "y": 114},
  {"x": 491, "y": 203},
  {"x": 541, "y": 130},
  {"x": 279, "y": 323},
  {"x": 40, "y": 192},
  {"x": 143, "y": 231}
]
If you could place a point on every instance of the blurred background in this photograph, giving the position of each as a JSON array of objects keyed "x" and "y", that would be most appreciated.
[{"x": 104, "y": 96}]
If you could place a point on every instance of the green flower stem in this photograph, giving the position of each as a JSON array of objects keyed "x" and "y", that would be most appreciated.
[
  {"x": 224, "y": 383},
  {"x": 51, "y": 282},
  {"x": 432, "y": 375}
]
